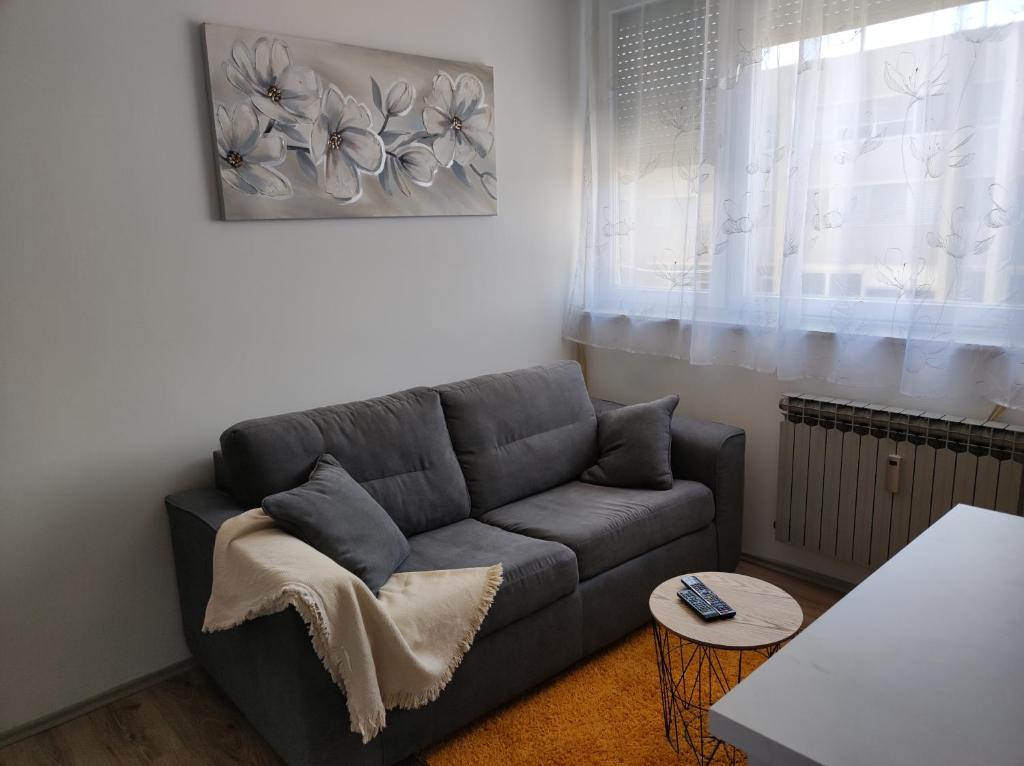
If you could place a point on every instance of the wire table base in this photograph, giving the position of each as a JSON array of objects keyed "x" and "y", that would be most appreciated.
[{"x": 693, "y": 677}]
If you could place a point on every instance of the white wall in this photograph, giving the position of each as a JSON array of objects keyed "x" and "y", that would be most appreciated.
[
  {"x": 134, "y": 326},
  {"x": 749, "y": 400}
]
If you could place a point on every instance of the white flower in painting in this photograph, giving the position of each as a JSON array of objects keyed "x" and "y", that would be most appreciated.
[
  {"x": 247, "y": 156},
  {"x": 282, "y": 91},
  {"x": 413, "y": 162},
  {"x": 343, "y": 146},
  {"x": 398, "y": 101},
  {"x": 490, "y": 183},
  {"x": 458, "y": 119}
]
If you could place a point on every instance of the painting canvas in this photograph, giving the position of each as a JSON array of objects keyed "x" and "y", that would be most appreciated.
[{"x": 314, "y": 129}]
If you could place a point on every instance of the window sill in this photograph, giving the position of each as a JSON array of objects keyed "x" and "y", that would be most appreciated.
[{"x": 685, "y": 326}]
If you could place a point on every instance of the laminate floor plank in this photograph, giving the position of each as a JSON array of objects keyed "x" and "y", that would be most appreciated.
[{"x": 210, "y": 726}]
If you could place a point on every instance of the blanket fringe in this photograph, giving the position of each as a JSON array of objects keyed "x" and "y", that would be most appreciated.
[
  {"x": 405, "y": 701},
  {"x": 312, "y": 614}
]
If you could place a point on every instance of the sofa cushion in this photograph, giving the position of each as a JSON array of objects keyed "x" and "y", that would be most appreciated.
[
  {"x": 519, "y": 433},
  {"x": 636, "y": 446},
  {"x": 397, "y": 447},
  {"x": 536, "y": 572},
  {"x": 605, "y": 526},
  {"x": 335, "y": 515}
]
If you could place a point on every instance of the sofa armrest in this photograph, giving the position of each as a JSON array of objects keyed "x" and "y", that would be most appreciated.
[
  {"x": 713, "y": 454},
  {"x": 268, "y": 666},
  {"x": 210, "y": 506},
  {"x": 195, "y": 516}
]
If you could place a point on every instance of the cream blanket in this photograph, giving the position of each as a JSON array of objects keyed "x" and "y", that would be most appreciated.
[{"x": 398, "y": 650}]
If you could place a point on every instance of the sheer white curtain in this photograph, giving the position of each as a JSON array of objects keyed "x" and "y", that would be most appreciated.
[{"x": 819, "y": 188}]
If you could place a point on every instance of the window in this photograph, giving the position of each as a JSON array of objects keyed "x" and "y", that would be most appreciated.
[
  {"x": 703, "y": 161},
  {"x": 658, "y": 70},
  {"x": 844, "y": 285},
  {"x": 760, "y": 171},
  {"x": 814, "y": 283}
]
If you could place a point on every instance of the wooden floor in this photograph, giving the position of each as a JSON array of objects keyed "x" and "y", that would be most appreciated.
[{"x": 186, "y": 720}]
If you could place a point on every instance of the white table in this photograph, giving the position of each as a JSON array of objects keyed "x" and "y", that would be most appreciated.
[{"x": 922, "y": 664}]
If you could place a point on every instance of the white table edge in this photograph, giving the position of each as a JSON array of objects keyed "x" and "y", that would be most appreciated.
[{"x": 769, "y": 752}]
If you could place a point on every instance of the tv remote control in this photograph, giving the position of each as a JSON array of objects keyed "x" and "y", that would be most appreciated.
[
  {"x": 694, "y": 583},
  {"x": 697, "y": 604}
]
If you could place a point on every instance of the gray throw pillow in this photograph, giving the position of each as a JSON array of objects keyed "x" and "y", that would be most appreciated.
[
  {"x": 635, "y": 443},
  {"x": 335, "y": 515}
]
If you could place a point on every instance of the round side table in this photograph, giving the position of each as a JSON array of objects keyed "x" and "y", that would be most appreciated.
[{"x": 698, "y": 662}]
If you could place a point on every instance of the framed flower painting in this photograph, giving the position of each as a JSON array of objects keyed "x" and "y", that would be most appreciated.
[{"x": 312, "y": 129}]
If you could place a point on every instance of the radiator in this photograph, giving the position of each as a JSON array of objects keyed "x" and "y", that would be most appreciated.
[{"x": 859, "y": 481}]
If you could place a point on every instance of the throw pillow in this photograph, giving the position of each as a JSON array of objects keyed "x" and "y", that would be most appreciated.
[
  {"x": 335, "y": 515},
  {"x": 635, "y": 444}
]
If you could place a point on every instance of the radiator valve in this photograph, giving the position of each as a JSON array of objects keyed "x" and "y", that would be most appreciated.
[{"x": 892, "y": 473}]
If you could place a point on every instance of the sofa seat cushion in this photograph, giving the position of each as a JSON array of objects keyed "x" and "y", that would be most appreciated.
[
  {"x": 606, "y": 526},
  {"x": 536, "y": 572}
]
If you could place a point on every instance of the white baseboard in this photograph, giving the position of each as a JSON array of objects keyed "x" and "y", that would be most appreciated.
[{"x": 833, "y": 583}]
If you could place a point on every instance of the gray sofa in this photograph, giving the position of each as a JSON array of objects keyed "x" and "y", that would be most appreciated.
[{"x": 473, "y": 473}]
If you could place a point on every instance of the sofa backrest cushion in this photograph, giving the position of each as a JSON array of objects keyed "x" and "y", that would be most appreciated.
[
  {"x": 397, "y": 447},
  {"x": 520, "y": 433}
]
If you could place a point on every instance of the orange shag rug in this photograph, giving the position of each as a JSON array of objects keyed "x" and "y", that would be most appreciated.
[{"x": 602, "y": 712}]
